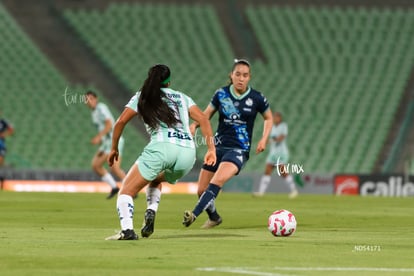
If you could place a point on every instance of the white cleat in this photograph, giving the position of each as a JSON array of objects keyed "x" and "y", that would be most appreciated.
[
  {"x": 293, "y": 194},
  {"x": 211, "y": 223}
]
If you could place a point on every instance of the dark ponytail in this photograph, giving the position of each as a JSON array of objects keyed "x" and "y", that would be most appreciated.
[{"x": 151, "y": 104}]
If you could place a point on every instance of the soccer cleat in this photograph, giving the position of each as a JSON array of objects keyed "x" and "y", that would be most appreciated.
[
  {"x": 128, "y": 234},
  {"x": 212, "y": 223},
  {"x": 188, "y": 218},
  {"x": 149, "y": 219},
  {"x": 258, "y": 194},
  {"x": 293, "y": 194},
  {"x": 113, "y": 193}
]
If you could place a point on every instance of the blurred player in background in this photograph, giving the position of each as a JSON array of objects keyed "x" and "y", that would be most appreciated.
[
  {"x": 278, "y": 157},
  {"x": 103, "y": 119},
  {"x": 237, "y": 105},
  {"x": 171, "y": 152},
  {"x": 6, "y": 129}
]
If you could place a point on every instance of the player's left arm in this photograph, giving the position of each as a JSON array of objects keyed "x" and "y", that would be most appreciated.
[{"x": 267, "y": 127}]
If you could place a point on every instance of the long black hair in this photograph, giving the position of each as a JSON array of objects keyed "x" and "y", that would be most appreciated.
[{"x": 151, "y": 104}]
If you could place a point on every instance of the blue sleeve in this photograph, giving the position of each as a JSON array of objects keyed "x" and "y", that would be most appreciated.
[
  {"x": 263, "y": 104},
  {"x": 4, "y": 124},
  {"x": 215, "y": 101}
]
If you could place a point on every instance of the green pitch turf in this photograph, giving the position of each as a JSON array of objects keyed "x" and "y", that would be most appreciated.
[{"x": 63, "y": 234}]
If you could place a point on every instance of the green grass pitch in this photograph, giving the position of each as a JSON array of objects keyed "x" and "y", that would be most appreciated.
[{"x": 63, "y": 234}]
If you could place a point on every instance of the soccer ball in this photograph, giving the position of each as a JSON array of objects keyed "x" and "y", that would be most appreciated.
[{"x": 281, "y": 223}]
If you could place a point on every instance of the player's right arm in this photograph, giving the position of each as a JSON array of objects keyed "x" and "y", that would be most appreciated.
[
  {"x": 107, "y": 129},
  {"x": 119, "y": 126},
  {"x": 282, "y": 135}
]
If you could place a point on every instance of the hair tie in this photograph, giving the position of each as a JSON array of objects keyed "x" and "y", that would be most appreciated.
[{"x": 167, "y": 80}]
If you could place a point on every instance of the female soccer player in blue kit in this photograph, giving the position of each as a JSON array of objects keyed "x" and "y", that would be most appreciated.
[{"x": 237, "y": 105}]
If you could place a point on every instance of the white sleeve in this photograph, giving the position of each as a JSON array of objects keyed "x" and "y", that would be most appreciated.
[
  {"x": 284, "y": 129},
  {"x": 133, "y": 102},
  {"x": 104, "y": 112},
  {"x": 190, "y": 101}
]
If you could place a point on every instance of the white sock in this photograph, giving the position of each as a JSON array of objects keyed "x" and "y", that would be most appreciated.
[
  {"x": 109, "y": 179},
  {"x": 291, "y": 184},
  {"x": 264, "y": 183},
  {"x": 125, "y": 206},
  {"x": 153, "y": 198}
]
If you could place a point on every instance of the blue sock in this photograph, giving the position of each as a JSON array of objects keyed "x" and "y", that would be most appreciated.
[
  {"x": 206, "y": 198},
  {"x": 212, "y": 212}
]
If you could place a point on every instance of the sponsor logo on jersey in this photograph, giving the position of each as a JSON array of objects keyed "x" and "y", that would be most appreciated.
[{"x": 179, "y": 135}]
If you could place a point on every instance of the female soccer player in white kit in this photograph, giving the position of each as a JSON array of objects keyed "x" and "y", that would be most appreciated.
[
  {"x": 171, "y": 152},
  {"x": 103, "y": 120},
  {"x": 278, "y": 157}
]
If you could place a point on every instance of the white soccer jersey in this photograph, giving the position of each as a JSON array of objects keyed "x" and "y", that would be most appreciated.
[
  {"x": 180, "y": 134},
  {"x": 278, "y": 130},
  {"x": 100, "y": 114}
]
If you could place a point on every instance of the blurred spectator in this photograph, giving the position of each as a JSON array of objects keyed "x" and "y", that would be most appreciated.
[{"x": 6, "y": 129}]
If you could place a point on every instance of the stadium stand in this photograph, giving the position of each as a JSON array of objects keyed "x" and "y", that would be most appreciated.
[
  {"x": 129, "y": 38},
  {"x": 188, "y": 38},
  {"x": 339, "y": 74},
  {"x": 336, "y": 73},
  {"x": 52, "y": 125}
]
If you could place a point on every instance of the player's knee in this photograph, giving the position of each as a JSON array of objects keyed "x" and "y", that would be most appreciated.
[
  {"x": 96, "y": 167},
  {"x": 115, "y": 168}
]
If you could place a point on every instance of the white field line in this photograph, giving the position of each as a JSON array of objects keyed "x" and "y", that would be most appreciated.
[
  {"x": 373, "y": 269},
  {"x": 239, "y": 270},
  {"x": 253, "y": 270}
]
